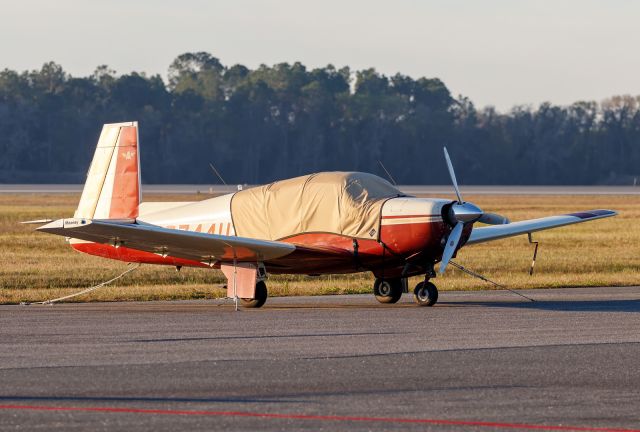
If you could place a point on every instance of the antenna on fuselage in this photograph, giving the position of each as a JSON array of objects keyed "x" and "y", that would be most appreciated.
[
  {"x": 217, "y": 173},
  {"x": 388, "y": 175}
]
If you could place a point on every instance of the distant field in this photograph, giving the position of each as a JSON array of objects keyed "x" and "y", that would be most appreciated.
[{"x": 37, "y": 266}]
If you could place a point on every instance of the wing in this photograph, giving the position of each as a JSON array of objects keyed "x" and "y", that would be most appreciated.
[
  {"x": 191, "y": 245},
  {"x": 496, "y": 232}
]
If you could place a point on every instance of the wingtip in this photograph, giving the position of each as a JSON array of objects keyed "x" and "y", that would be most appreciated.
[{"x": 594, "y": 214}]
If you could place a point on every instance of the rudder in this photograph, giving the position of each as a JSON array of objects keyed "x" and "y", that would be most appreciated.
[{"x": 112, "y": 189}]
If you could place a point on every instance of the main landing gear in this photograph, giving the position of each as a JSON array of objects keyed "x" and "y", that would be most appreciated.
[
  {"x": 259, "y": 300},
  {"x": 390, "y": 290},
  {"x": 387, "y": 290}
]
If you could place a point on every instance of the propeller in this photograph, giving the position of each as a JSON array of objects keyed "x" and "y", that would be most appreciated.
[{"x": 463, "y": 213}]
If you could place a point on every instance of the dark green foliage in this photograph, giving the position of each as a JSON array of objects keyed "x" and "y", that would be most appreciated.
[{"x": 281, "y": 121}]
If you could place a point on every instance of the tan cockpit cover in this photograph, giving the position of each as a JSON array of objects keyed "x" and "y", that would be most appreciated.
[{"x": 347, "y": 203}]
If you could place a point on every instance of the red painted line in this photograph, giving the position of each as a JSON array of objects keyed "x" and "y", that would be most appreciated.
[{"x": 315, "y": 417}]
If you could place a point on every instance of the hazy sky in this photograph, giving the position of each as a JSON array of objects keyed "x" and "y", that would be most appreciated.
[{"x": 496, "y": 52}]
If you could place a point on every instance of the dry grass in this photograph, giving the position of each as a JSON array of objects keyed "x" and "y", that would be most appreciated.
[{"x": 37, "y": 266}]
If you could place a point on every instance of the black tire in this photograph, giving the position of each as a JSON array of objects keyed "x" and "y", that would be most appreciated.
[
  {"x": 261, "y": 297},
  {"x": 387, "y": 290},
  {"x": 425, "y": 294}
]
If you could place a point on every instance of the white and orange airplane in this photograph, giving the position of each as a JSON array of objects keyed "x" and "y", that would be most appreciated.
[{"x": 324, "y": 223}]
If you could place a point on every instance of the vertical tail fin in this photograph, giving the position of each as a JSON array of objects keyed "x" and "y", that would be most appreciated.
[{"x": 112, "y": 190}]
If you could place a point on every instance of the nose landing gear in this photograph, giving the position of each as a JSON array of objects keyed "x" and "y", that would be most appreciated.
[{"x": 425, "y": 294}]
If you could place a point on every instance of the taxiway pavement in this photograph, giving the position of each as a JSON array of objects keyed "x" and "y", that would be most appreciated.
[{"x": 482, "y": 360}]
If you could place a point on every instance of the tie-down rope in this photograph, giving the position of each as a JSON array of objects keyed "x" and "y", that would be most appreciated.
[
  {"x": 87, "y": 290},
  {"x": 479, "y": 276}
]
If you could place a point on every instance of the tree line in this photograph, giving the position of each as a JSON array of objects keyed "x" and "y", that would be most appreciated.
[{"x": 285, "y": 120}]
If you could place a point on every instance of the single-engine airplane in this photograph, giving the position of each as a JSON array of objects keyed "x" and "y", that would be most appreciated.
[{"x": 324, "y": 223}]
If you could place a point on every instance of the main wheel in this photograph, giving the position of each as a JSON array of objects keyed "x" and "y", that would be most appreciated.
[
  {"x": 425, "y": 294},
  {"x": 261, "y": 297},
  {"x": 387, "y": 290}
]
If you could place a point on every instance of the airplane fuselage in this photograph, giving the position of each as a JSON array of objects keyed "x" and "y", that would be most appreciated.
[{"x": 411, "y": 230}]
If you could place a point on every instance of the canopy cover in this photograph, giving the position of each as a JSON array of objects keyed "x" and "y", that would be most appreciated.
[{"x": 347, "y": 203}]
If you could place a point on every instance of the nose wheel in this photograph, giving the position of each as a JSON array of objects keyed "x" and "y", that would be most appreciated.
[{"x": 425, "y": 294}]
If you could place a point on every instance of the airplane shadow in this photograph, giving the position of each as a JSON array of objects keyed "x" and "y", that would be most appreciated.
[{"x": 564, "y": 305}]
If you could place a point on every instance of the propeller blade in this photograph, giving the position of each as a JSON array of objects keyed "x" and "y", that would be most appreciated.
[
  {"x": 452, "y": 174},
  {"x": 493, "y": 219},
  {"x": 452, "y": 244}
]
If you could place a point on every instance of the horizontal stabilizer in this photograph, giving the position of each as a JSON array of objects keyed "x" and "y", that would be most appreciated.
[{"x": 37, "y": 222}]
